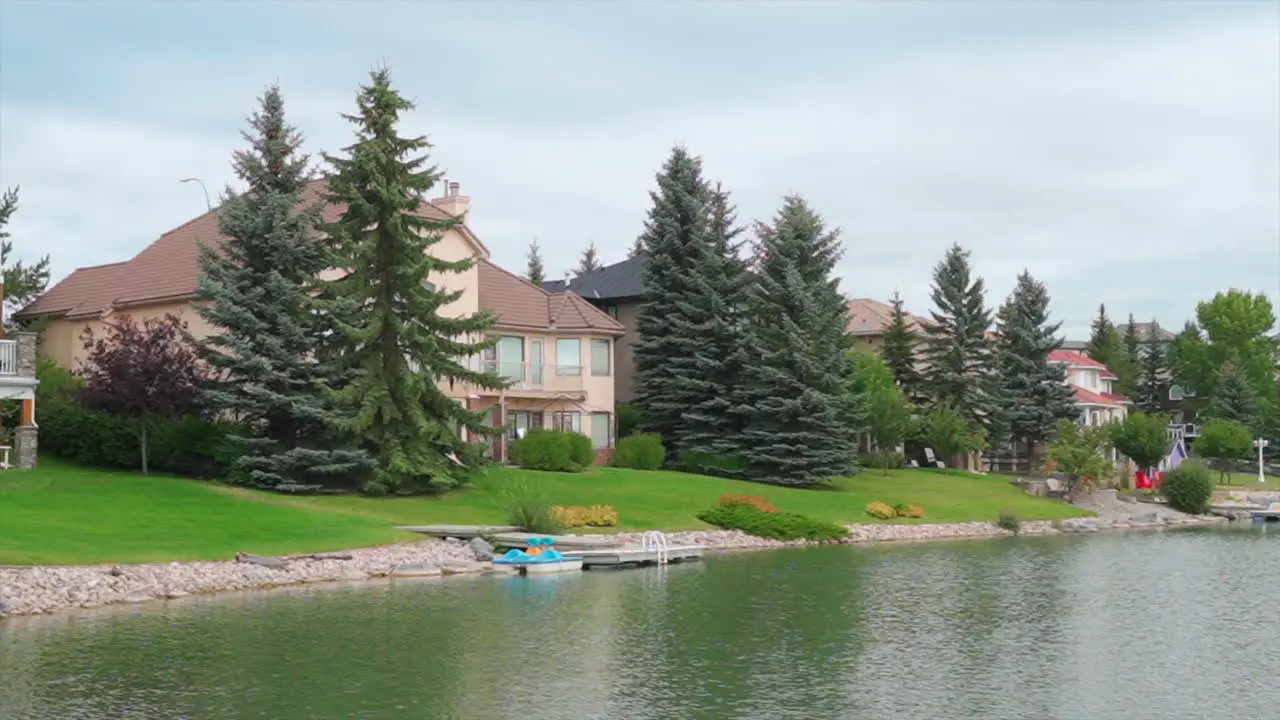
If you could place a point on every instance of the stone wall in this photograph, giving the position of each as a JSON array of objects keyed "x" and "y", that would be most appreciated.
[
  {"x": 26, "y": 354},
  {"x": 25, "y": 446}
]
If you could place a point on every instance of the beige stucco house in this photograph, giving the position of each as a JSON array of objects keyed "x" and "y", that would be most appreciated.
[{"x": 556, "y": 349}]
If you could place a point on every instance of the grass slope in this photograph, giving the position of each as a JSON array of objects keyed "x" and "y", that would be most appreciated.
[{"x": 63, "y": 514}]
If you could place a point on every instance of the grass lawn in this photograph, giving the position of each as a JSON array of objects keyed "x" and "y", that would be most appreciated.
[
  {"x": 65, "y": 514},
  {"x": 1247, "y": 481},
  {"x": 671, "y": 500}
]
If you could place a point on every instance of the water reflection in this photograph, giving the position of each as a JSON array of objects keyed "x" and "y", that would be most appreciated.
[{"x": 1104, "y": 626}]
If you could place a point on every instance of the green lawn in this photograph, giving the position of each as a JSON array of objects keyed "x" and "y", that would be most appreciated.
[{"x": 64, "y": 514}]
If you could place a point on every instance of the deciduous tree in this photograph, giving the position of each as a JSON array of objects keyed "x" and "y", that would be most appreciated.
[
  {"x": 1142, "y": 437},
  {"x": 1079, "y": 453},
  {"x": 23, "y": 283},
  {"x": 887, "y": 414},
  {"x": 1222, "y": 440}
]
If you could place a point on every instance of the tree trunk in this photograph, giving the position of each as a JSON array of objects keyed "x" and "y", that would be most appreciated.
[{"x": 142, "y": 442}]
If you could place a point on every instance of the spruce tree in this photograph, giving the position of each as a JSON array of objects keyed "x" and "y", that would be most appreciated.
[
  {"x": 1152, "y": 379},
  {"x": 535, "y": 272},
  {"x": 669, "y": 375},
  {"x": 900, "y": 351},
  {"x": 803, "y": 424},
  {"x": 396, "y": 347},
  {"x": 589, "y": 261},
  {"x": 1105, "y": 344},
  {"x": 1035, "y": 390},
  {"x": 1234, "y": 398},
  {"x": 255, "y": 291},
  {"x": 714, "y": 422},
  {"x": 1130, "y": 361},
  {"x": 957, "y": 351}
]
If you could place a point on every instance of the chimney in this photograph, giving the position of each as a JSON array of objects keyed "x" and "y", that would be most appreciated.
[{"x": 453, "y": 201}]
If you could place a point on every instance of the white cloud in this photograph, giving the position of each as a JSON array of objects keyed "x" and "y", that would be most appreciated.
[{"x": 1143, "y": 171}]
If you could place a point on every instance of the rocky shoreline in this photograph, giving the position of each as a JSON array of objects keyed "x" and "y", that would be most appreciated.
[{"x": 45, "y": 589}]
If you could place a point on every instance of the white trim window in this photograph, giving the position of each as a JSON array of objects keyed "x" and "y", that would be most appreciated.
[
  {"x": 601, "y": 426},
  {"x": 601, "y": 357},
  {"x": 566, "y": 421},
  {"x": 568, "y": 356}
]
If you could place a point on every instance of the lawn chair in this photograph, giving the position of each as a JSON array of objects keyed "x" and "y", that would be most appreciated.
[{"x": 1054, "y": 488}]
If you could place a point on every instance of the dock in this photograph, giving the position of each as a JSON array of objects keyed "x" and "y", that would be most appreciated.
[
  {"x": 634, "y": 557},
  {"x": 1271, "y": 514}
]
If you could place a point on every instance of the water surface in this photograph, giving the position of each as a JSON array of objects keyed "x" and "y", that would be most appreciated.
[{"x": 1171, "y": 625}]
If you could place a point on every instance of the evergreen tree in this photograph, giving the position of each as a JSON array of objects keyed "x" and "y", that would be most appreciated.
[
  {"x": 1036, "y": 391},
  {"x": 535, "y": 272},
  {"x": 675, "y": 240},
  {"x": 589, "y": 261},
  {"x": 1129, "y": 363},
  {"x": 636, "y": 248},
  {"x": 900, "y": 351},
  {"x": 256, "y": 292},
  {"x": 1105, "y": 344},
  {"x": 715, "y": 419},
  {"x": 1234, "y": 398},
  {"x": 396, "y": 348},
  {"x": 1152, "y": 381},
  {"x": 957, "y": 351},
  {"x": 803, "y": 422},
  {"x": 22, "y": 283}
]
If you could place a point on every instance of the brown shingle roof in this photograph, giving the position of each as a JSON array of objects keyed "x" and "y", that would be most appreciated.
[
  {"x": 167, "y": 269},
  {"x": 872, "y": 317},
  {"x": 522, "y": 305}
]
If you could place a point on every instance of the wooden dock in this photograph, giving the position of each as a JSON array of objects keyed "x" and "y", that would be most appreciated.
[
  {"x": 1271, "y": 514},
  {"x": 634, "y": 557}
]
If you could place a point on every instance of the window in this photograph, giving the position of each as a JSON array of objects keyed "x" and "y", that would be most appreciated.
[
  {"x": 611, "y": 311},
  {"x": 600, "y": 430},
  {"x": 511, "y": 358},
  {"x": 567, "y": 421},
  {"x": 600, "y": 357},
  {"x": 568, "y": 356},
  {"x": 1175, "y": 392}
]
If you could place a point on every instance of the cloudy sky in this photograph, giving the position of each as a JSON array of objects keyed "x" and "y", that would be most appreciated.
[{"x": 1126, "y": 153}]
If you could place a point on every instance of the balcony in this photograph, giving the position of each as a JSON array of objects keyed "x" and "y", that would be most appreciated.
[
  {"x": 534, "y": 379},
  {"x": 18, "y": 357},
  {"x": 8, "y": 357}
]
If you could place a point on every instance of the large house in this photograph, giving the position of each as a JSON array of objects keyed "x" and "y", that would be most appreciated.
[
  {"x": 869, "y": 318},
  {"x": 556, "y": 349},
  {"x": 618, "y": 291},
  {"x": 1093, "y": 385}
]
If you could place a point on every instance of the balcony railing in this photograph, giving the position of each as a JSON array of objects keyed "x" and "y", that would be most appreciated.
[
  {"x": 8, "y": 357},
  {"x": 535, "y": 376}
]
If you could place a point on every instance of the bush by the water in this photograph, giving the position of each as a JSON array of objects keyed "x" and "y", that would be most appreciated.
[
  {"x": 1188, "y": 487},
  {"x": 527, "y": 507},
  {"x": 772, "y": 525},
  {"x": 643, "y": 451},
  {"x": 585, "y": 516},
  {"x": 903, "y": 510},
  {"x": 1008, "y": 521},
  {"x": 754, "y": 501},
  {"x": 553, "y": 451},
  {"x": 881, "y": 510}
]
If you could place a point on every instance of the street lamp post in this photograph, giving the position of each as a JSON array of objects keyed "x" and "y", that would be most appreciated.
[
  {"x": 207, "y": 204},
  {"x": 1260, "y": 443}
]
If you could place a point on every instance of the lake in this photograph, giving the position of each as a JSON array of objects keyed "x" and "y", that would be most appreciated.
[{"x": 1178, "y": 624}]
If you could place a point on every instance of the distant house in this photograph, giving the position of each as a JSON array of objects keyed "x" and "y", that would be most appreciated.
[
  {"x": 555, "y": 349},
  {"x": 1094, "y": 388},
  {"x": 1147, "y": 333},
  {"x": 618, "y": 291},
  {"x": 869, "y": 318}
]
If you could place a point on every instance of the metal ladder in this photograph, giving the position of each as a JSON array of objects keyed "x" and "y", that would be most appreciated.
[{"x": 654, "y": 541}]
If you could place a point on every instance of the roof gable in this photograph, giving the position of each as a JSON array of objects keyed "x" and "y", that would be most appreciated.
[{"x": 518, "y": 303}]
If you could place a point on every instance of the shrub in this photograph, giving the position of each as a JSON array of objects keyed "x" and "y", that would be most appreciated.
[
  {"x": 711, "y": 463},
  {"x": 580, "y": 516},
  {"x": 1008, "y": 521},
  {"x": 552, "y": 450},
  {"x": 776, "y": 525},
  {"x": 643, "y": 451},
  {"x": 1188, "y": 487},
  {"x": 527, "y": 507},
  {"x": 628, "y": 419},
  {"x": 881, "y": 510},
  {"x": 904, "y": 510},
  {"x": 754, "y": 501},
  {"x": 883, "y": 460}
]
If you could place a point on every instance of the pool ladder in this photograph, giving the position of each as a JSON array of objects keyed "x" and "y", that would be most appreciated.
[{"x": 656, "y": 542}]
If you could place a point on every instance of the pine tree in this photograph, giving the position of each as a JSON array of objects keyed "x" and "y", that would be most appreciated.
[
  {"x": 589, "y": 261},
  {"x": 255, "y": 289},
  {"x": 1152, "y": 379},
  {"x": 1234, "y": 398},
  {"x": 957, "y": 351},
  {"x": 676, "y": 243},
  {"x": 803, "y": 424},
  {"x": 900, "y": 351},
  {"x": 1105, "y": 344},
  {"x": 1130, "y": 361},
  {"x": 636, "y": 248},
  {"x": 535, "y": 272},
  {"x": 1035, "y": 390},
  {"x": 715, "y": 420},
  {"x": 396, "y": 347}
]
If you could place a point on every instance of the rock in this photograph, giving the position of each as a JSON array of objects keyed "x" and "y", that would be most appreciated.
[
  {"x": 481, "y": 548},
  {"x": 416, "y": 571},
  {"x": 175, "y": 594},
  {"x": 139, "y": 596}
]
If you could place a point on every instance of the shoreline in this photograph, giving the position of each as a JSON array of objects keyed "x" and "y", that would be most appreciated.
[{"x": 43, "y": 589}]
